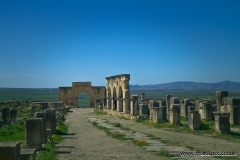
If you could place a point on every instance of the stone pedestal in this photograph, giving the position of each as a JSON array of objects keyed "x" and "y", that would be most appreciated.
[
  {"x": 158, "y": 114},
  {"x": 10, "y": 150},
  {"x": 51, "y": 121},
  {"x": 175, "y": 114},
  {"x": 44, "y": 127},
  {"x": 133, "y": 107},
  {"x": 222, "y": 124},
  {"x": 184, "y": 107},
  {"x": 205, "y": 110},
  {"x": 34, "y": 133},
  {"x": 194, "y": 120}
]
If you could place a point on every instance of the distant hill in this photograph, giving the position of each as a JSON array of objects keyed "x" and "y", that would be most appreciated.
[{"x": 225, "y": 85}]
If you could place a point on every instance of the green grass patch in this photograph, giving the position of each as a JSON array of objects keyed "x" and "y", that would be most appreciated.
[
  {"x": 183, "y": 119},
  {"x": 164, "y": 153},
  {"x": 13, "y": 132},
  {"x": 190, "y": 148},
  {"x": 100, "y": 113}
]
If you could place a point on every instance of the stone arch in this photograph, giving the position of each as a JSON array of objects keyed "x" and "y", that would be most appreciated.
[
  {"x": 78, "y": 99},
  {"x": 121, "y": 85},
  {"x": 71, "y": 96}
]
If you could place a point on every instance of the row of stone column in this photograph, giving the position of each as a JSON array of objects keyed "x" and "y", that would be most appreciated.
[{"x": 39, "y": 128}]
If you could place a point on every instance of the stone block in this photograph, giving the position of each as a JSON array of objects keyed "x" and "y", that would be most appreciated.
[
  {"x": 34, "y": 136},
  {"x": 144, "y": 109},
  {"x": 162, "y": 103},
  {"x": 51, "y": 121},
  {"x": 10, "y": 150},
  {"x": 205, "y": 110},
  {"x": 219, "y": 98},
  {"x": 194, "y": 120},
  {"x": 158, "y": 114},
  {"x": 174, "y": 100},
  {"x": 222, "y": 124},
  {"x": 175, "y": 114},
  {"x": 25, "y": 154},
  {"x": 44, "y": 127},
  {"x": 184, "y": 107}
]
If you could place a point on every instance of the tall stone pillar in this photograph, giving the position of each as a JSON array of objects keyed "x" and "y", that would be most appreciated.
[
  {"x": 222, "y": 124},
  {"x": 34, "y": 136},
  {"x": 175, "y": 114},
  {"x": 219, "y": 98},
  {"x": 44, "y": 126},
  {"x": 168, "y": 102}
]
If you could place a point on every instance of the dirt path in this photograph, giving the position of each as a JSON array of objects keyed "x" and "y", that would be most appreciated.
[{"x": 92, "y": 143}]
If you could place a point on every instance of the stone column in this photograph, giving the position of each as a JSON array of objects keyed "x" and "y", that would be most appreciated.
[
  {"x": 194, "y": 120},
  {"x": 5, "y": 115},
  {"x": 51, "y": 121},
  {"x": 158, "y": 114},
  {"x": 34, "y": 129},
  {"x": 10, "y": 150},
  {"x": 219, "y": 96},
  {"x": 205, "y": 111},
  {"x": 142, "y": 96},
  {"x": 175, "y": 114},
  {"x": 197, "y": 104},
  {"x": 44, "y": 127},
  {"x": 222, "y": 124},
  {"x": 168, "y": 102},
  {"x": 13, "y": 115}
]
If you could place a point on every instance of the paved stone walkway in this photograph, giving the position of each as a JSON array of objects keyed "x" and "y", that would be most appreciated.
[{"x": 92, "y": 143}]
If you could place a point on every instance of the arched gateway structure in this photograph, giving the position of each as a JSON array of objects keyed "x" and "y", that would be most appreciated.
[
  {"x": 118, "y": 95},
  {"x": 69, "y": 95}
]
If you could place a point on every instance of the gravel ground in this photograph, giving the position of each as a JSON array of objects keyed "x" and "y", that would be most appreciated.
[{"x": 92, "y": 143}]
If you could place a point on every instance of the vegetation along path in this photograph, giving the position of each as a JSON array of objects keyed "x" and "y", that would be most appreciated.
[{"x": 100, "y": 136}]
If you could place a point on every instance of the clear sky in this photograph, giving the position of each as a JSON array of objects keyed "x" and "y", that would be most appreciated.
[{"x": 52, "y": 43}]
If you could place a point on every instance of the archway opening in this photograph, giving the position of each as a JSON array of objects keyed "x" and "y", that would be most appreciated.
[{"x": 83, "y": 100}]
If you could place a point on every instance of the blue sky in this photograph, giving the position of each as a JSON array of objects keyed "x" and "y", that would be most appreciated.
[{"x": 56, "y": 42}]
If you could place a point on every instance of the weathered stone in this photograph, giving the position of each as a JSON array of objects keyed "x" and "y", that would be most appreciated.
[
  {"x": 5, "y": 115},
  {"x": 222, "y": 124},
  {"x": 162, "y": 103},
  {"x": 41, "y": 105},
  {"x": 25, "y": 154},
  {"x": 55, "y": 105},
  {"x": 10, "y": 150},
  {"x": 232, "y": 105},
  {"x": 175, "y": 114},
  {"x": 142, "y": 96},
  {"x": 48, "y": 131},
  {"x": 174, "y": 100},
  {"x": 144, "y": 109},
  {"x": 194, "y": 120},
  {"x": 51, "y": 121},
  {"x": 168, "y": 102},
  {"x": 134, "y": 105},
  {"x": 190, "y": 108},
  {"x": 158, "y": 114},
  {"x": 197, "y": 101},
  {"x": 184, "y": 107},
  {"x": 44, "y": 127},
  {"x": 34, "y": 128},
  {"x": 219, "y": 98},
  {"x": 69, "y": 95},
  {"x": 13, "y": 115},
  {"x": 205, "y": 110}
]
